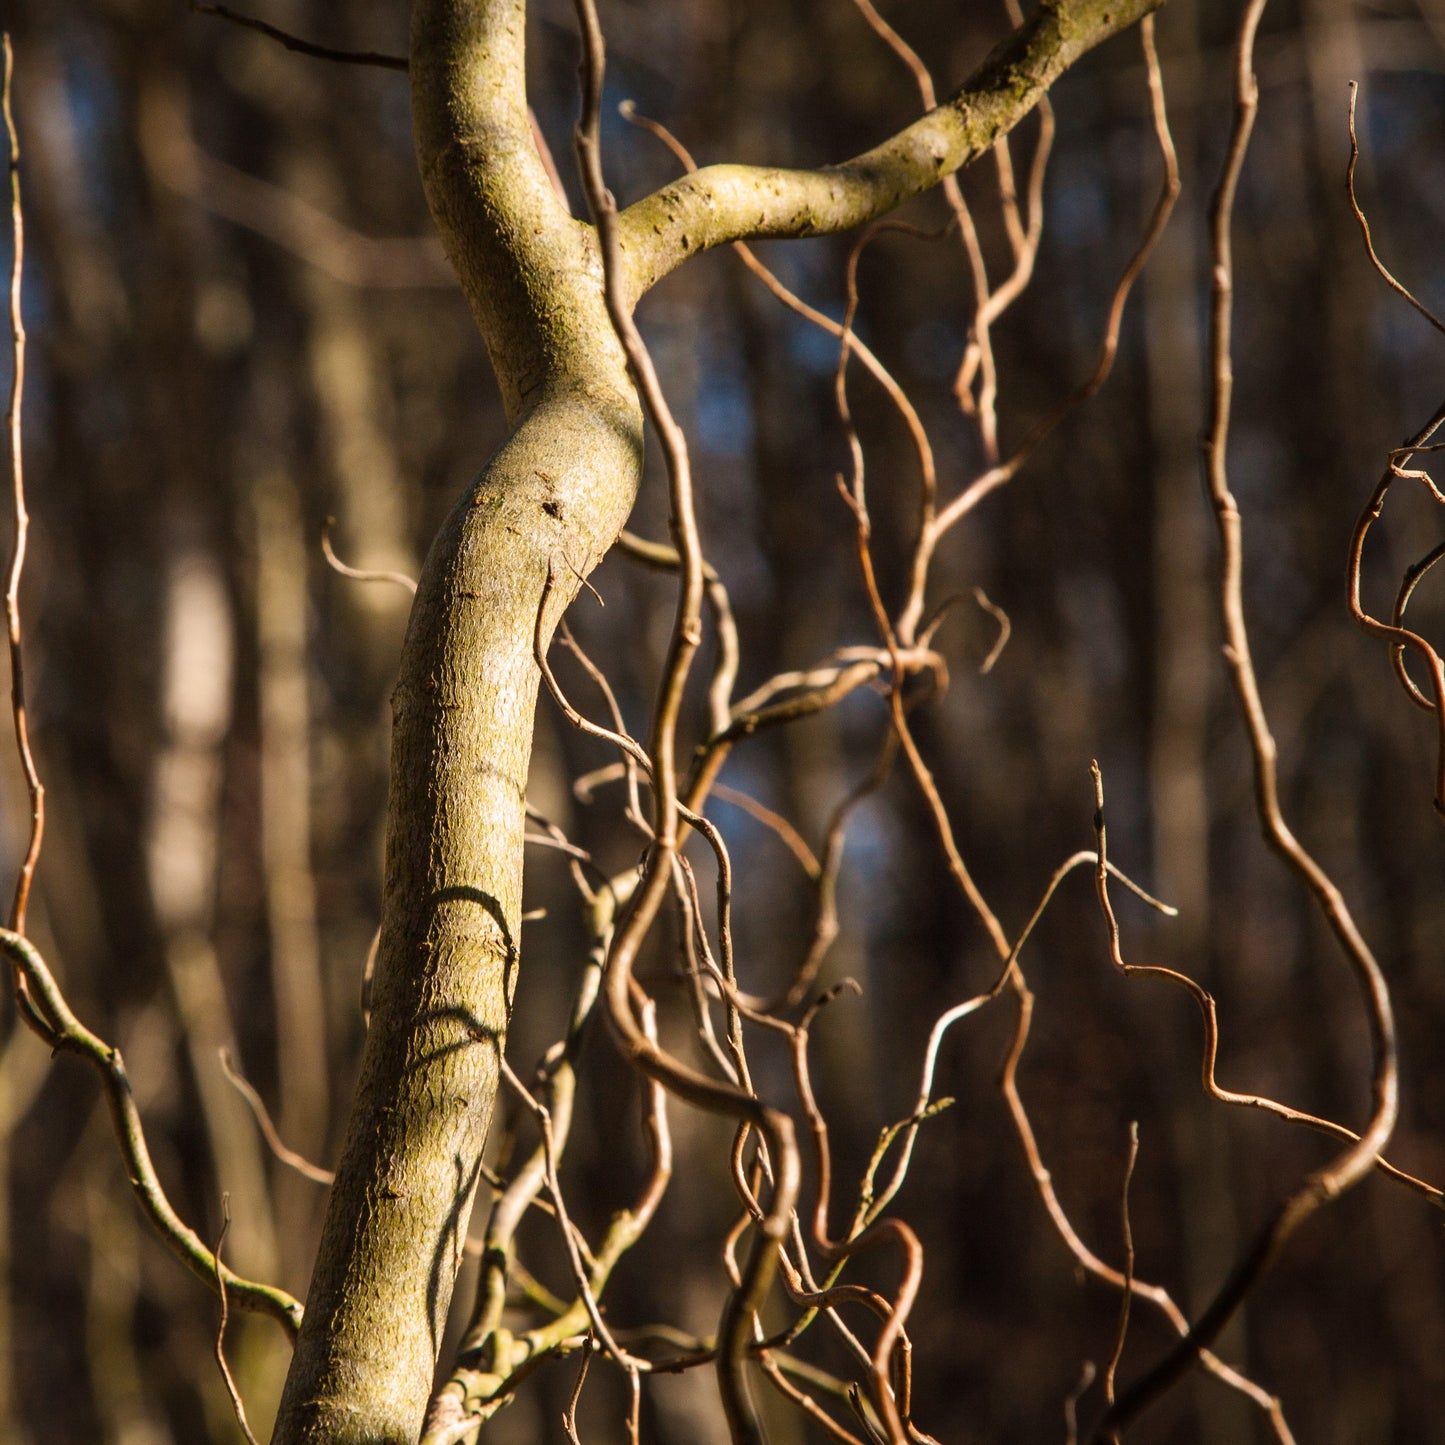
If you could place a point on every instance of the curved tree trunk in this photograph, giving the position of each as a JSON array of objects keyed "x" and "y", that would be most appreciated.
[{"x": 559, "y": 490}]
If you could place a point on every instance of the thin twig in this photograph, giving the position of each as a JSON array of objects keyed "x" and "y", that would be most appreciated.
[
  {"x": 736, "y": 1330},
  {"x": 569, "y": 1234},
  {"x": 1126, "y": 1295},
  {"x": 624, "y": 742},
  {"x": 634, "y": 1412},
  {"x": 262, "y": 1115},
  {"x": 1071, "y": 1402},
  {"x": 634, "y": 812},
  {"x": 1398, "y": 287},
  {"x": 869, "y": 1236},
  {"x": 978, "y": 359},
  {"x": 1411, "y": 579},
  {"x": 788, "y": 835},
  {"x": 805, "y": 1402},
  {"x": 790, "y": 299},
  {"x": 825, "y": 917},
  {"x": 725, "y": 667},
  {"x": 1000, "y": 473},
  {"x": 1331, "y": 1180},
  {"x": 569, "y": 1415},
  {"x": 361, "y": 574},
  {"x": 22, "y": 525},
  {"x": 1400, "y": 638},
  {"x": 237, "y": 1404},
  {"x": 302, "y": 47},
  {"x": 1005, "y": 630},
  {"x": 924, "y": 1106},
  {"x": 1209, "y": 1015},
  {"x": 1087, "y": 1260}
]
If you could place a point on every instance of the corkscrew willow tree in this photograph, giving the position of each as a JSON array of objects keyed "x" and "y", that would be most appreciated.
[
  {"x": 554, "y": 299},
  {"x": 550, "y": 307}
]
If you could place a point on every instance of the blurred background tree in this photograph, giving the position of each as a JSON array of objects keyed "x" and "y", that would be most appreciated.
[{"x": 241, "y": 327}]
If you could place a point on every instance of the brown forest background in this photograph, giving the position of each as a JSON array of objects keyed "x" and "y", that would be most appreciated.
[{"x": 240, "y": 328}]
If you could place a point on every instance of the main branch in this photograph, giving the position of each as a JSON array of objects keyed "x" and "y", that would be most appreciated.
[
  {"x": 725, "y": 203},
  {"x": 554, "y": 496}
]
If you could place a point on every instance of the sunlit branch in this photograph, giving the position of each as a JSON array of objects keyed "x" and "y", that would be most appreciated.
[
  {"x": 18, "y": 708},
  {"x": 1333, "y": 1179},
  {"x": 1003, "y": 472},
  {"x": 735, "y": 1330},
  {"x": 362, "y": 574},
  {"x": 66, "y": 1034},
  {"x": 725, "y": 203},
  {"x": 237, "y": 1404}
]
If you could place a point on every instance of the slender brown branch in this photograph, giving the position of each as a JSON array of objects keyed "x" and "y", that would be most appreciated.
[
  {"x": 569, "y": 1415},
  {"x": 1401, "y": 638},
  {"x": 735, "y": 1331},
  {"x": 1412, "y": 578},
  {"x": 855, "y": 498},
  {"x": 859, "y": 1239},
  {"x": 1396, "y": 286},
  {"x": 790, "y": 299},
  {"x": 1326, "y": 1183},
  {"x": 725, "y": 668},
  {"x": 624, "y": 742},
  {"x": 1001, "y": 473},
  {"x": 266, "y": 1125},
  {"x": 1087, "y": 1260},
  {"x": 979, "y": 357},
  {"x": 296, "y": 43},
  {"x": 1126, "y": 1295},
  {"x": 788, "y": 835},
  {"x": 1209, "y": 1015},
  {"x": 805, "y": 1402},
  {"x": 825, "y": 919},
  {"x": 18, "y": 709},
  {"x": 361, "y": 574},
  {"x": 924, "y": 1106},
  {"x": 237, "y": 1404}
]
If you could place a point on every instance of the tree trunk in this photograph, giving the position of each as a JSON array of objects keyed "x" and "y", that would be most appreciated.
[{"x": 558, "y": 491}]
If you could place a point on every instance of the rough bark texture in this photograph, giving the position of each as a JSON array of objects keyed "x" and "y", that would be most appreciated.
[{"x": 559, "y": 490}]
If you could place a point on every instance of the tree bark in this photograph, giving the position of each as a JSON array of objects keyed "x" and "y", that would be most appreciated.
[{"x": 559, "y": 490}]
